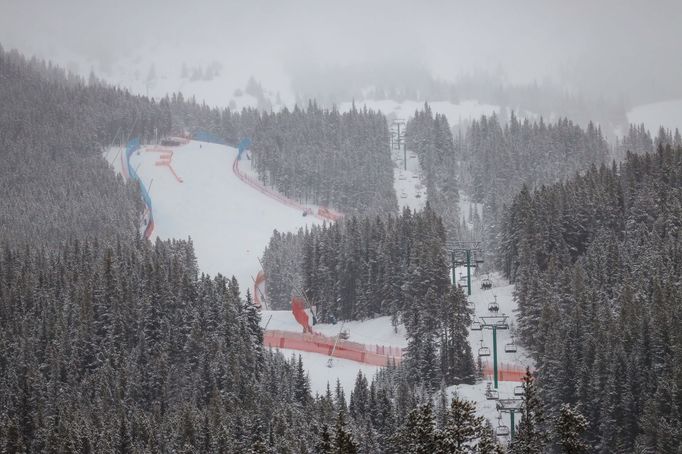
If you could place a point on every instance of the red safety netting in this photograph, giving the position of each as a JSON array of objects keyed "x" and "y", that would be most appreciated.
[
  {"x": 298, "y": 308},
  {"x": 505, "y": 372},
  {"x": 257, "y": 289},
  {"x": 322, "y": 212},
  {"x": 377, "y": 355}
]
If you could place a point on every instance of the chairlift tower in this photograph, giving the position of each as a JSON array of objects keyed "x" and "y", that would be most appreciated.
[
  {"x": 398, "y": 138},
  {"x": 466, "y": 253},
  {"x": 495, "y": 322},
  {"x": 511, "y": 406}
]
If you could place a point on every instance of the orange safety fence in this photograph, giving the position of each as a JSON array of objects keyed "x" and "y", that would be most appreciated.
[
  {"x": 157, "y": 149},
  {"x": 322, "y": 213},
  {"x": 260, "y": 279},
  {"x": 376, "y": 355},
  {"x": 165, "y": 160},
  {"x": 505, "y": 372}
]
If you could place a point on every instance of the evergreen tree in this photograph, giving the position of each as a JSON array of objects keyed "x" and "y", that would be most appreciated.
[
  {"x": 569, "y": 427},
  {"x": 324, "y": 445},
  {"x": 530, "y": 434},
  {"x": 343, "y": 440},
  {"x": 462, "y": 429}
]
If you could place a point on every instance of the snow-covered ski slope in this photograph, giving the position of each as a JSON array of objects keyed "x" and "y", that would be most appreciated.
[
  {"x": 505, "y": 299},
  {"x": 229, "y": 222},
  {"x": 408, "y": 181},
  {"x": 375, "y": 331},
  {"x": 521, "y": 359},
  {"x": 666, "y": 113}
]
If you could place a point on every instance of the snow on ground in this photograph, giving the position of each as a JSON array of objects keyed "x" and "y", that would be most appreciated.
[
  {"x": 407, "y": 182},
  {"x": 229, "y": 222},
  {"x": 456, "y": 113},
  {"x": 484, "y": 407},
  {"x": 375, "y": 331},
  {"x": 320, "y": 374},
  {"x": 480, "y": 299},
  {"x": 467, "y": 208},
  {"x": 667, "y": 114}
]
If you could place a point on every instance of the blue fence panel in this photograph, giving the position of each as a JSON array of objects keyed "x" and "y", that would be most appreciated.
[
  {"x": 244, "y": 145},
  {"x": 205, "y": 136},
  {"x": 132, "y": 146}
]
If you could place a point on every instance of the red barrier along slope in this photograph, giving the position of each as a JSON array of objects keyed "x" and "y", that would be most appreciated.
[
  {"x": 260, "y": 279},
  {"x": 505, "y": 372},
  {"x": 376, "y": 355},
  {"x": 298, "y": 308},
  {"x": 322, "y": 213}
]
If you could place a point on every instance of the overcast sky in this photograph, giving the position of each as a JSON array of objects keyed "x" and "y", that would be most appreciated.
[{"x": 614, "y": 46}]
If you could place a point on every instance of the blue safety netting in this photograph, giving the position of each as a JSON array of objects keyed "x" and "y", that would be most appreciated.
[
  {"x": 132, "y": 146},
  {"x": 205, "y": 136}
]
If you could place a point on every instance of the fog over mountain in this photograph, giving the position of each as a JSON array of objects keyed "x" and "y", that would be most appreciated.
[{"x": 607, "y": 48}]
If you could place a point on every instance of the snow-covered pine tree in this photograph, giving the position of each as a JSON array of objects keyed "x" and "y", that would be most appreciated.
[{"x": 569, "y": 429}]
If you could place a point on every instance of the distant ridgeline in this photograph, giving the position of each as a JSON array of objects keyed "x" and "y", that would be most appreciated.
[{"x": 597, "y": 264}]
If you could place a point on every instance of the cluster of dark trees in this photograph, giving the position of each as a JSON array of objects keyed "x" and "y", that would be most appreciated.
[
  {"x": 597, "y": 265},
  {"x": 430, "y": 137},
  {"x": 497, "y": 159},
  {"x": 492, "y": 161},
  {"x": 362, "y": 268},
  {"x": 53, "y": 128},
  {"x": 340, "y": 160},
  {"x": 638, "y": 140}
]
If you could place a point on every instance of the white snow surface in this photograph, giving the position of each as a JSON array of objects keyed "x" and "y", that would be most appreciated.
[
  {"x": 480, "y": 299},
  {"x": 666, "y": 113},
  {"x": 407, "y": 182},
  {"x": 229, "y": 222},
  {"x": 466, "y": 207},
  {"x": 373, "y": 331}
]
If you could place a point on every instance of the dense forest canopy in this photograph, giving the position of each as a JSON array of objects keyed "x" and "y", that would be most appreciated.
[
  {"x": 341, "y": 160},
  {"x": 597, "y": 265},
  {"x": 55, "y": 184},
  {"x": 363, "y": 268}
]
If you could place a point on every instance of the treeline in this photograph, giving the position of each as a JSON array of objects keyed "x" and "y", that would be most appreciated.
[
  {"x": 54, "y": 182},
  {"x": 363, "y": 268},
  {"x": 498, "y": 159},
  {"x": 126, "y": 348},
  {"x": 341, "y": 160},
  {"x": 597, "y": 265},
  {"x": 639, "y": 140},
  {"x": 430, "y": 137}
]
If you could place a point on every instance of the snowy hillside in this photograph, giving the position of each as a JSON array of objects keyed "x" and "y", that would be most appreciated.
[
  {"x": 229, "y": 222},
  {"x": 378, "y": 331},
  {"x": 480, "y": 300},
  {"x": 198, "y": 195},
  {"x": 667, "y": 114},
  {"x": 407, "y": 180}
]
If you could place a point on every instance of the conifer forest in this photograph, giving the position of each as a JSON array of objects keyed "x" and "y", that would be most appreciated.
[{"x": 350, "y": 227}]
